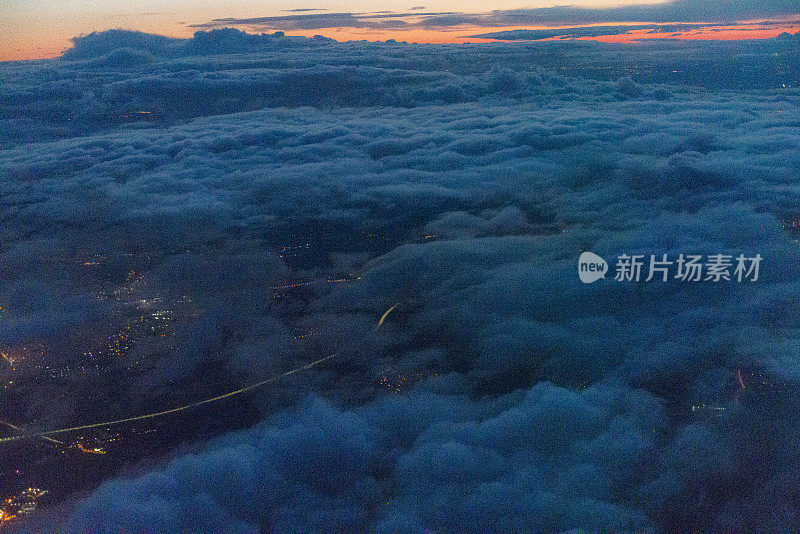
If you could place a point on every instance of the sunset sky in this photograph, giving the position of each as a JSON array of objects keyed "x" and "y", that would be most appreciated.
[{"x": 40, "y": 28}]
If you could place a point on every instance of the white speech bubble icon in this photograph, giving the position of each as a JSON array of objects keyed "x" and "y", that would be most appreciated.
[{"x": 591, "y": 267}]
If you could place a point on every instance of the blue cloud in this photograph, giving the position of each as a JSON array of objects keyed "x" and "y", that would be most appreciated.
[{"x": 461, "y": 183}]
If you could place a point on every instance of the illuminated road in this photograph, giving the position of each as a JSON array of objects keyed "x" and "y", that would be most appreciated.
[
  {"x": 18, "y": 429},
  {"x": 46, "y": 435}
]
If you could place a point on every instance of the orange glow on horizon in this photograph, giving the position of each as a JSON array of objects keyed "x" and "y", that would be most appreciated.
[
  {"x": 463, "y": 34},
  {"x": 36, "y": 46}
]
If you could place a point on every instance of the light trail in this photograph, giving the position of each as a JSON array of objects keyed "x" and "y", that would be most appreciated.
[
  {"x": 18, "y": 429},
  {"x": 46, "y": 434},
  {"x": 385, "y": 315}
]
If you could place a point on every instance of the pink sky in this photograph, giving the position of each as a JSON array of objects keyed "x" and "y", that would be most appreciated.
[{"x": 32, "y": 29}]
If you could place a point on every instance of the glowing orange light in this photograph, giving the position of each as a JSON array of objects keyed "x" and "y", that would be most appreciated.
[
  {"x": 385, "y": 315},
  {"x": 90, "y": 451}
]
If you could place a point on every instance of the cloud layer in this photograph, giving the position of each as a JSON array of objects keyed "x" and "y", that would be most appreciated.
[
  {"x": 460, "y": 183},
  {"x": 677, "y": 11}
]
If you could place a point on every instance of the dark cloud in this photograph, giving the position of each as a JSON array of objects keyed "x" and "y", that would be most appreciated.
[
  {"x": 280, "y": 194},
  {"x": 677, "y": 11},
  {"x": 314, "y": 21},
  {"x": 303, "y": 9},
  {"x": 571, "y": 33},
  {"x": 674, "y": 11},
  {"x": 323, "y": 468}
]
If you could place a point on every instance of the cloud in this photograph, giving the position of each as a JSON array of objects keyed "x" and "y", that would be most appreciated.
[
  {"x": 675, "y": 11},
  {"x": 572, "y": 33},
  {"x": 303, "y": 9},
  {"x": 313, "y": 21},
  {"x": 323, "y": 468},
  {"x": 277, "y": 195}
]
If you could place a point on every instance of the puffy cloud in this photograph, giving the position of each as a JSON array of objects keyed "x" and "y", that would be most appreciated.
[
  {"x": 426, "y": 459},
  {"x": 461, "y": 184}
]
